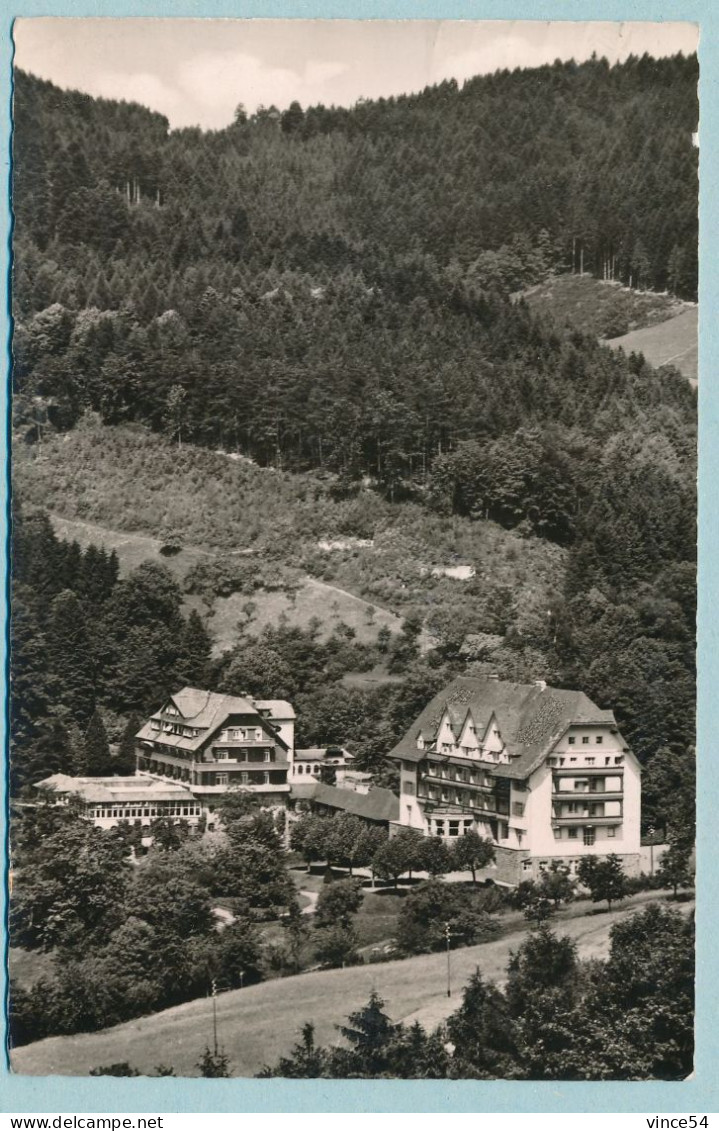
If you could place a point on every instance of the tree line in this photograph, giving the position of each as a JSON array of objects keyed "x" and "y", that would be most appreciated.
[
  {"x": 131, "y": 937},
  {"x": 91, "y": 654}
]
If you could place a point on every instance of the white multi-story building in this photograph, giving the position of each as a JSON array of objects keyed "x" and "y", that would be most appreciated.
[{"x": 543, "y": 772}]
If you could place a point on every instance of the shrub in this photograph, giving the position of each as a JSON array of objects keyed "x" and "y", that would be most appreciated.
[{"x": 426, "y": 912}]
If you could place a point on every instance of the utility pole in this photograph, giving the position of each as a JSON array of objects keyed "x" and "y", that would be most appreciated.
[
  {"x": 448, "y": 936},
  {"x": 214, "y": 1014},
  {"x": 650, "y": 833}
]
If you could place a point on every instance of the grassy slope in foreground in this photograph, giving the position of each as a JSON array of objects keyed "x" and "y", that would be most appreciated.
[{"x": 259, "y": 1024}]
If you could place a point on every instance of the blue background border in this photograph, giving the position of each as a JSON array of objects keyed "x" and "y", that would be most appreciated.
[{"x": 701, "y": 1093}]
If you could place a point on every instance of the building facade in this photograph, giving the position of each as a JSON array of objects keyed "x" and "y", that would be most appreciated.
[
  {"x": 212, "y": 742},
  {"x": 140, "y": 799},
  {"x": 313, "y": 760},
  {"x": 543, "y": 772}
]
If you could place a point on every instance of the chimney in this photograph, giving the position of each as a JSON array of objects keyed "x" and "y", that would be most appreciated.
[
  {"x": 541, "y": 684},
  {"x": 494, "y": 678}
]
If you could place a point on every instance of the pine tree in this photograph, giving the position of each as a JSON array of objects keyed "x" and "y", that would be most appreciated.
[
  {"x": 196, "y": 650},
  {"x": 214, "y": 1065},
  {"x": 70, "y": 656},
  {"x": 96, "y": 749},
  {"x": 369, "y": 1032},
  {"x": 124, "y": 762}
]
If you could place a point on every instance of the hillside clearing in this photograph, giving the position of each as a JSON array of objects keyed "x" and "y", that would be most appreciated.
[
  {"x": 131, "y": 547},
  {"x": 258, "y": 1024},
  {"x": 595, "y": 306},
  {"x": 674, "y": 342},
  {"x": 119, "y": 487},
  {"x": 313, "y": 600}
]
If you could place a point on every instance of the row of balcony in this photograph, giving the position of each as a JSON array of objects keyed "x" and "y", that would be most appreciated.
[
  {"x": 595, "y": 794},
  {"x": 191, "y": 758},
  {"x": 574, "y": 820},
  {"x": 587, "y": 771},
  {"x": 489, "y": 805},
  {"x": 200, "y": 781},
  {"x": 441, "y": 779}
]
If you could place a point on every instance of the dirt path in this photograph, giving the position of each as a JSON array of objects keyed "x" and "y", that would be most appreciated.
[
  {"x": 425, "y": 640},
  {"x": 312, "y": 896}
]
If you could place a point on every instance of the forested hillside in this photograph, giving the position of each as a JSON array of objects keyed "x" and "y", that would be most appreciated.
[
  {"x": 326, "y": 290},
  {"x": 304, "y": 286}
]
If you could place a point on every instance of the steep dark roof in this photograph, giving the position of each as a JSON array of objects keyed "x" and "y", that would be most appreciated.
[
  {"x": 278, "y": 708},
  {"x": 531, "y": 718},
  {"x": 376, "y": 805},
  {"x": 208, "y": 710}
]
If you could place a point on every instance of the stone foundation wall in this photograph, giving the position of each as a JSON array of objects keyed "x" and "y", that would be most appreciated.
[
  {"x": 508, "y": 866},
  {"x": 631, "y": 863}
]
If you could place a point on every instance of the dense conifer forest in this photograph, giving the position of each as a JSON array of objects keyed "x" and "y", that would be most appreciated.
[
  {"x": 333, "y": 293},
  {"x": 322, "y": 287}
]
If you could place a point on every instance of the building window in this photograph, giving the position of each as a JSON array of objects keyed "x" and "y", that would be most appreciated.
[
  {"x": 517, "y": 809},
  {"x": 572, "y": 834},
  {"x": 585, "y": 739},
  {"x": 557, "y": 833},
  {"x": 408, "y": 788},
  {"x": 589, "y": 761},
  {"x": 589, "y": 836},
  {"x": 571, "y": 740},
  {"x": 611, "y": 831},
  {"x": 599, "y": 740},
  {"x": 439, "y": 828},
  {"x": 221, "y": 779},
  {"x": 526, "y": 865},
  {"x": 454, "y": 828}
]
